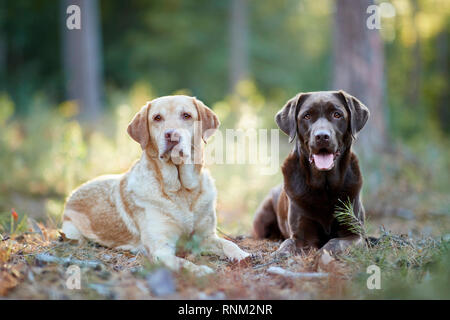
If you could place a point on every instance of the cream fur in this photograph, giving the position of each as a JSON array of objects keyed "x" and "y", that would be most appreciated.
[{"x": 154, "y": 203}]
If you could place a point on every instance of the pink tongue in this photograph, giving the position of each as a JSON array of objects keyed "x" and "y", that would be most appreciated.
[{"x": 323, "y": 161}]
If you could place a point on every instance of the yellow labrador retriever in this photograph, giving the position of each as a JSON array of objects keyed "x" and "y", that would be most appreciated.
[{"x": 166, "y": 194}]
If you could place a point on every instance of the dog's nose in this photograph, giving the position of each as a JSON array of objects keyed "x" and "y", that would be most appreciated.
[
  {"x": 172, "y": 135},
  {"x": 322, "y": 136}
]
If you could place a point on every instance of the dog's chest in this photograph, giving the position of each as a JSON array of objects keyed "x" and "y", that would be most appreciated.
[{"x": 184, "y": 209}]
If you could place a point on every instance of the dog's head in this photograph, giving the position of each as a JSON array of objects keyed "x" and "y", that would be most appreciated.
[
  {"x": 325, "y": 122},
  {"x": 171, "y": 127}
]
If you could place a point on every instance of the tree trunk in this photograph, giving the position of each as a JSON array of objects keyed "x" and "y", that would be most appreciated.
[
  {"x": 358, "y": 69},
  {"x": 238, "y": 42},
  {"x": 82, "y": 59},
  {"x": 443, "y": 58},
  {"x": 416, "y": 68}
]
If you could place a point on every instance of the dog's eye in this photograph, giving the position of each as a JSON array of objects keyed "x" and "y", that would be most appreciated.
[
  {"x": 157, "y": 117},
  {"x": 337, "y": 115},
  {"x": 307, "y": 116},
  {"x": 186, "y": 116}
]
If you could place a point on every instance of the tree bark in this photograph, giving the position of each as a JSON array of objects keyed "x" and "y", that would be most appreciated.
[
  {"x": 358, "y": 69},
  {"x": 82, "y": 59},
  {"x": 238, "y": 42},
  {"x": 443, "y": 58},
  {"x": 416, "y": 68}
]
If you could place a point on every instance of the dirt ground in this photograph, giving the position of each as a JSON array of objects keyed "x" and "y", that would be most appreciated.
[{"x": 35, "y": 265}]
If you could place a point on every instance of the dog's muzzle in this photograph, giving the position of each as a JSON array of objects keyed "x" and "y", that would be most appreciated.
[
  {"x": 171, "y": 138},
  {"x": 323, "y": 151}
]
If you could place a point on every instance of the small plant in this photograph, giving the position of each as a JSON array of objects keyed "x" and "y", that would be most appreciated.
[
  {"x": 190, "y": 244},
  {"x": 15, "y": 225},
  {"x": 345, "y": 216}
]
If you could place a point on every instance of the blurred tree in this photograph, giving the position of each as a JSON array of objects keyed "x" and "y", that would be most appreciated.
[
  {"x": 31, "y": 43},
  {"x": 82, "y": 59},
  {"x": 358, "y": 68},
  {"x": 415, "y": 74},
  {"x": 239, "y": 50},
  {"x": 443, "y": 61},
  {"x": 170, "y": 45}
]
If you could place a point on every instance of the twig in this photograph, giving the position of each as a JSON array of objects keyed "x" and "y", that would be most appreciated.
[
  {"x": 226, "y": 235},
  {"x": 45, "y": 257},
  {"x": 290, "y": 274},
  {"x": 266, "y": 264}
]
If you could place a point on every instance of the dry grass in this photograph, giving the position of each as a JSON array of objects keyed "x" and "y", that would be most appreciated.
[
  {"x": 121, "y": 275},
  {"x": 26, "y": 273}
]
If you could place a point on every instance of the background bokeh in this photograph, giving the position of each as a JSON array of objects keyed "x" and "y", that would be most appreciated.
[{"x": 244, "y": 59}]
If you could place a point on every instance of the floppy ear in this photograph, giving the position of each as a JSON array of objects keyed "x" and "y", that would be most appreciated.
[
  {"x": 138, "y": 127},
  {"x": 358, "y": 112},
  {"x": 286, "y": 118},
  {"x": 208, "y": 119}
]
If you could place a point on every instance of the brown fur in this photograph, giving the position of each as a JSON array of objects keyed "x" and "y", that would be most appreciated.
[
  {"x": 302, "y": 209},
  {"x": 99, "y": 213}
]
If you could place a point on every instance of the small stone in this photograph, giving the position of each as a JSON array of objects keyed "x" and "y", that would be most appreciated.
[
  {"x": 101, "y": 289},
  {"x": 219, "y": 295},
  {"x": 161, "y": 282},
  {"x": 107, "y": 257}
]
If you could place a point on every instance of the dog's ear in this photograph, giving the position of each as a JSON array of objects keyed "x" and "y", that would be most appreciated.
[
  {"x": 138, "y": 127},
  {"x": 286, "y": 118},
  {"x": 358, "y": 112},
  {"x": 208, "y": 119}
]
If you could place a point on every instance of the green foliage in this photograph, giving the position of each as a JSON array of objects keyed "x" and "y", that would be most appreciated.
[
  {"x": 190, "y": 244},
  {"x": 410, "y": 268},
  {"x": 10, "y": 226},
  {"x": 30, "y": 31},
  {"x": 184, "y": 45},
  {"x": 346, "y": 216}
]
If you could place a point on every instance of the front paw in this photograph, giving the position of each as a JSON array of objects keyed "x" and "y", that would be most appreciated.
[
  {"x": 287, "y": 248},
  {"x": 238, "y": 255},
  {"x": 232, "y": 251},
  {"x": 338, "y": 246},
  {"x": 332, "y": 247}
]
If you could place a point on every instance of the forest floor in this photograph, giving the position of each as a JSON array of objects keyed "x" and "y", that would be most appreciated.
[{"x": 35, "y": 265}]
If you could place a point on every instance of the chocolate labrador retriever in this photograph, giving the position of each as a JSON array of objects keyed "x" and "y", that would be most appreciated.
[{"x": 320, "y": 171}]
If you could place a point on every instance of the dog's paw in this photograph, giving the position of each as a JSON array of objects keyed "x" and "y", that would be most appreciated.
[
  {"x": 238, "y": 255},
  {"x": 331, "y": 248},
  {"x": 337, "y": 246},
  {"x": 287, "y": 249},
  {"x": 242, "y": 260},
  {"x": 233, "y": 252}
]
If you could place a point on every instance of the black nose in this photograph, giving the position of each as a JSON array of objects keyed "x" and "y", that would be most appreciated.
[{"x": 322, "y": 136}]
